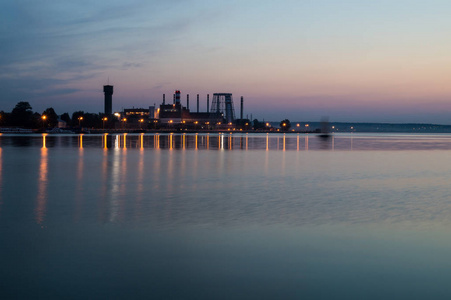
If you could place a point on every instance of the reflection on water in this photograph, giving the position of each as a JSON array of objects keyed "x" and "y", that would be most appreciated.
[
  {"x": 1, "y": 181},
  {"x": 132, "y": 216},
  {"x": 183, "y": 187},
  {"x": 41, "y": 200},
  {"x": 140, "y": 185},
  {"x": 79, "y": 199}
]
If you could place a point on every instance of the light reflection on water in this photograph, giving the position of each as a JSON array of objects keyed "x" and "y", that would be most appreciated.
[
  {"x": 257, "y": 213},
  {"x": 41, "y": 200},
  {"x": 237, "y": 141},
  {"x": 274, "y": 186},
  {"x": 1, "y": 181}
]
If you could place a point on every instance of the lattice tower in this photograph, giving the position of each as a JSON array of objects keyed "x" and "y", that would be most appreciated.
[{"x": 223, "y": 104}]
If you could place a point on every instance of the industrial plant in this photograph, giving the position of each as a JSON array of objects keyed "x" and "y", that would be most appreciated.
[{"x": 221, "y": 114}]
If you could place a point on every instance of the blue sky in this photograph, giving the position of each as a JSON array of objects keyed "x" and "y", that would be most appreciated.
[{"x": 374, "y": 61}]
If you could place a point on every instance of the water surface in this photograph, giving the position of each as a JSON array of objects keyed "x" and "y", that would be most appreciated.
[{"x": 202, "y": 216}]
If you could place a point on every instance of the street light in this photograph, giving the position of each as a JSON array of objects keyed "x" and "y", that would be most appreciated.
[
  {"x": 103, "y": 122},
  {"x": 79, "y": 121},
  {"x": 44, "y": 117},
  {"x": 141, "y": 123}
]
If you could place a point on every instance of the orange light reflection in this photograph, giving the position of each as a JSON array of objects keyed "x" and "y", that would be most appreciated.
[
  {"x": 43, "y": 140},
  {"x": 105, "y": 141},
  {"x": 284, "y": 142},
  {"x": 41, "y": 200},
  {"x": 267, "y": 141},
  {"x": 298, "y": 141}
]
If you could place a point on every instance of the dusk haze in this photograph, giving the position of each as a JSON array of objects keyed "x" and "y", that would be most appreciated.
[
  {"x": 354, "y": 61},
  {"x": 204, "y": 150}
]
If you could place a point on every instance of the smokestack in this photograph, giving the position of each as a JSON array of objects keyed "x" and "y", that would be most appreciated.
[
  {"x": 197, "y": 102},
  {"x": 173, "y": 98},
  {"x": 177, "y": 97},
  {"x": 187, "y": 101},
  {"x": 164, "y": 99},
  {"x": 241, "y": 113},
  {"x": 208, "y": 103}
]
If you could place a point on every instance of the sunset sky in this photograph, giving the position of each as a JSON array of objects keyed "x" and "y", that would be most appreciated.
[{"x": 357, "y": 61}]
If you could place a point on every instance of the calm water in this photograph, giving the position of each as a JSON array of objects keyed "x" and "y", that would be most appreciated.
[{"x": 223, "y": 216}]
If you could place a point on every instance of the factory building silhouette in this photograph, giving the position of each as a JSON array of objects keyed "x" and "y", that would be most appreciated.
[{"x": 173, "y": 115}]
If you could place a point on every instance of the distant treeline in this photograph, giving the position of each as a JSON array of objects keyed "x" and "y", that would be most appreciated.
[{"x": 23, "y": 116}]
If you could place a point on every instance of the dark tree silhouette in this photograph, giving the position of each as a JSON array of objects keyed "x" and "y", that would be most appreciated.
[
  {"x": 76, "y": 117},
  {"x": 91, "y": 121},
  {"x": 37, "y": 121},
  {"x": 51, "y": 117},
  {"x": 66, "y": 118},
  {"x": 258, "y": 125},
  {"x": 22, "y": 115},
  {"x": 285, "y": 125},
  {"x": 4, "y": 118}
]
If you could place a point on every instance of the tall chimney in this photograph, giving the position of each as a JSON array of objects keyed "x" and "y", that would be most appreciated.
[
  {"x": 208, "y": 103},
  {"x": 177, "y": 97},
  {"x": 241, "y": 113},
  {"x": 164, "y": 99},
  {"x": 173, "y": 98},
  {"x": 187, "y": 101},
  {"x": 197, "y": 102}
]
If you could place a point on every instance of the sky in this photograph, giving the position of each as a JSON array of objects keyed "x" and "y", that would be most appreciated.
[{"x": 353, "y": 61}]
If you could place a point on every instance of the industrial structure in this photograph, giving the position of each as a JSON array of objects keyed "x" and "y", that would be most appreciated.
[
  {"x": 148, "y": 113},
  {"x": 223, "y": 105},
  {"x": 108, "y": 91},
  {"x": 222, "y": 112},
  {"x": 175, "y": 115}
]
